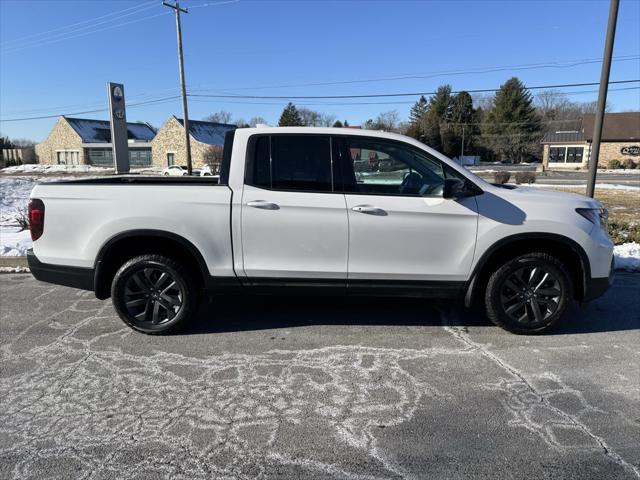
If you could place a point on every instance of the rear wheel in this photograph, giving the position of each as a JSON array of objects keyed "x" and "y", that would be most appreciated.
[
  {"x": 529, "y": 293},
  {"x": 153, "y": 294}
]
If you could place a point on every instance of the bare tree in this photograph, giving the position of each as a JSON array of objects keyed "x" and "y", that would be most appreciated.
[
  {"x": 313, "y": 118},
  {"x": 219, "y": 117},
  {"x": 310, "y": 118},
  {"x": 256, "y": 121},
  {"x": 388, "y": 121},
  {"x": 23, "y": 143},
  {"x": 327, "y": 119},
  {"x": 213, "y": 158}
]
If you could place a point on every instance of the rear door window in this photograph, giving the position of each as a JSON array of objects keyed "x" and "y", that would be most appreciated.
[{"x": 291, "y": 163}]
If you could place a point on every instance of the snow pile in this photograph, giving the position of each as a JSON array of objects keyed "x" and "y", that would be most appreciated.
[
  {"x": 627, "y": 256},
  {"x": 37, "y": 168},
  {"x": 14, "y": 242},
  {"x": 618, "y": 171},
  {"x": 14, "y": 195},
  {"x": 14, "y": 270},
  {"x": 603, "y": 186}
]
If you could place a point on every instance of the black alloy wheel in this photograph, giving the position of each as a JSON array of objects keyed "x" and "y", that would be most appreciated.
[
  {"x": 529, "y": 293},
  {"x": 154, "y": 294}
]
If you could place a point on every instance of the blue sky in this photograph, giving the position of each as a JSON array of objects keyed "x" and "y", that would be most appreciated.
[{"x": 281, "y": 47}]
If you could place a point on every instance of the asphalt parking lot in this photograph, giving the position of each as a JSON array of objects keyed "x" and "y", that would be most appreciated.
[{"x": 316, "y": 388}]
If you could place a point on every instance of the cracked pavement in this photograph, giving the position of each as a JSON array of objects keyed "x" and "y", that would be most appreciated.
[{"x": 280, "y": 387}]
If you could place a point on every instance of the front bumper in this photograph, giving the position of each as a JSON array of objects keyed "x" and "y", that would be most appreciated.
[
  {"x": 596, "y": 287},
  {"x": 76, "y": 277}
]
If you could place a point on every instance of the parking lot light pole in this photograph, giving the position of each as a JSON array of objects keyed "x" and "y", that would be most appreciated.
[
  {"x": 183, "y": 87},
  {"x": 602, "y": 97}
]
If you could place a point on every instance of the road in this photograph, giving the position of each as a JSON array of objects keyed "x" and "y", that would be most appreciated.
[{"x": 316, "y": 388}]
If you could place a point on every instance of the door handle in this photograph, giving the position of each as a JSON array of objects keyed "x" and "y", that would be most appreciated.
[
  {"x": 263, "y": 204},
  {"x": 369, "y": 210}
]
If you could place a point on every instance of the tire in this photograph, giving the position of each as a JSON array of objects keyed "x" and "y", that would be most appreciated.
[
  {"x": 166, "y": 174},
  {"x": 529, "y": 294},
  {"x": 154, "y": 294}
]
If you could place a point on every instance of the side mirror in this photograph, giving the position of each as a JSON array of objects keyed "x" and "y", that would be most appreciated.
[{"x": 454, "y": 188}]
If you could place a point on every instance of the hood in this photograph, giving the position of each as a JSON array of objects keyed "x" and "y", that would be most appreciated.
[{"x": 540, "y": 196}]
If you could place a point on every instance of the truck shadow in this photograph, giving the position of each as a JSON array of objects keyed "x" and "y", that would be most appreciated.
[
  {"x": 615, "y": 311},
  {"x": 258, "y": 312}
]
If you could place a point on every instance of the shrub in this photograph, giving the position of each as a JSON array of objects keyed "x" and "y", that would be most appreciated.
[
  {"x": 22, "y": 218},
  {"x": 623, "y": 232},
  {"x": 629, "y": 164},
  {"x": 614, "y": 164},
  {"x": 525, "y": 177},
  {"x": 501, "y": 177}
]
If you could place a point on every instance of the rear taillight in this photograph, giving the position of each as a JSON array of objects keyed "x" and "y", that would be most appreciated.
[{"x": 36, "y": 218}]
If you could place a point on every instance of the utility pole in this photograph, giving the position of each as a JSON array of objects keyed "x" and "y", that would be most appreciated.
[
  {"x": 462, "y": 147},
  {"x": 602, "y": 97},
  {"x": 183, "y": 87}
]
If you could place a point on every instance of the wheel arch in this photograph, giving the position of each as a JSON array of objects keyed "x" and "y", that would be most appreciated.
[
  {"x": 125, "y": 245},
  {"x": 566, "y": 249}
]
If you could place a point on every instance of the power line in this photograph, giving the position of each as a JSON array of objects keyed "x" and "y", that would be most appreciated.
[
  {"x": 199, "y": 98},
  {"x": 43, "y": 110},
  {"x": 108, "y": 27},
  {"x": 97, "y": 110},
  {"x": 409, "y": 94},
  {"x": 77, "y": 23},
  {"x": 338, "y": 103},
  {"x": 91, "y": 28},
  {"x": 413, "y": 76}
]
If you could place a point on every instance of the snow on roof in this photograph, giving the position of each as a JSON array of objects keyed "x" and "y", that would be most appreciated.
[
  {"x": 210, "y": 133},
  {"x": 99, "y": 131}
]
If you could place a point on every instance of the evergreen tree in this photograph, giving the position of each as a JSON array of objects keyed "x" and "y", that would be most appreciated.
[
  {"x": 512, "y": 127},
  {"x": 290, "y": 117},
  {"x": 460, "y": 126},
  {"x": 338, "y": 124},
  {"x": 346, "y": 124},
  {"x": 439, "y": 112},
  {"x": 417, "y": 118},
  {"x": 418, "y": 110}
]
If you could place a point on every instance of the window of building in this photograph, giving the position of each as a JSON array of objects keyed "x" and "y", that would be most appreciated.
[
  {"x": 574, "y": 154},
  {"x": 100, "y": 157},
  {"x": 171, "y": 159},
  {"x": 68, "y": 157},
  {"x": 293, "y": 163},
  {"x": 557, "y": 154},
  {"x": 566, "y": 154},
  {"x": 140, "y": 157}
]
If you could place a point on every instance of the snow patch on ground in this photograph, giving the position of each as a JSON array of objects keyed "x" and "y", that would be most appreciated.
[
  {"x": 619, "y": 171},
  {"x": 38, "y": 169},
  {"x": 627, "y": 256},
  {"x": 14, "y": 242},
  {"x": 603, "y": 186},
  {"x": 14, "y": 270}
]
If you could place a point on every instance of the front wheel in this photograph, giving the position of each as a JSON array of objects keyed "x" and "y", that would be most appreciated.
[
  {"x": 529, "y": 293},
  {"x": 154, "y": 294}
]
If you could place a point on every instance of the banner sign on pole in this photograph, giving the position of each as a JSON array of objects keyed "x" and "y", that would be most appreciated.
[{"x": 118, "y": 118}]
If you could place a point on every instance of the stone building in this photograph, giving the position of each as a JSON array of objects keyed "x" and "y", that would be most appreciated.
[
  {"x": 168, "y": 147},
  {"x": 81, "y": 141},
  {"x": 571, "y": 149}
]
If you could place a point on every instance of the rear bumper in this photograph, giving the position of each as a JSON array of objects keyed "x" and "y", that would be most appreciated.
[
  {"x": 595, "y": 287},
  {"x": 76, "y": 277}
]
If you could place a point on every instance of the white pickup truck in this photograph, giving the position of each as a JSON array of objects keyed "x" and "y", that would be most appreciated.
[{"x": 338, "y": 211}]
